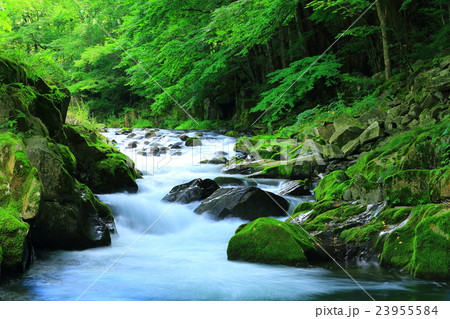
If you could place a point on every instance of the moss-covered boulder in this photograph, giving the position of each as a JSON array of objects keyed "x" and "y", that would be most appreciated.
[
  {"x": 194, "y": 190},
  {"x": 69, "y": 215},
  {"x": 271, "y": 241},
  {"x": 247, "y": 203},
  {"x": 99, "y": 165},
  {"x": 16, "y": 249},
  {"x": 422, "y": 245}
]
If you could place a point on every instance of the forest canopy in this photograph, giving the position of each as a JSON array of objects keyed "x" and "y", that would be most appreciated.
[{"x": 226, "y": 61}]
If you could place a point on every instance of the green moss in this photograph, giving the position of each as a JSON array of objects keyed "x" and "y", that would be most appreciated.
[
  {"x": 394, "y": 216},
  {"x": 193, "y": 141},
  {"x": 232, "y": 134},
  {"x": 411, "y": 187},
  {"x": 332, "y": 186},
  {"x": 13, "y": 233},
  {"x": 363, "y": 233},
  {"x": 431, "y": 257},
  {"x": 270, "y": 241},
  {"x": 421, "y": 246}
]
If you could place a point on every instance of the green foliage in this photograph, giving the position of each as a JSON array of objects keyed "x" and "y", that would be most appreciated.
[{"x": 295, "y": 82}]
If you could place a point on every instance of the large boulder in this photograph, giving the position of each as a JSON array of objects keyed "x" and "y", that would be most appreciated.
[
  {"x": 193, "y": 141},
  {"x": 247, "y": 203},
  {"x": 270, "y": 241},
  {"x": 295, "y": 188},
  {"x": 195, "y": 190},
  {"x": 69, "y": 215},
  {"x": 373, "y": 132},
  {"x": 99, "y": 165}
]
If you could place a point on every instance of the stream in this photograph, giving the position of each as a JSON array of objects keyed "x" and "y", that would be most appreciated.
[{"x": 182, "y": 256}]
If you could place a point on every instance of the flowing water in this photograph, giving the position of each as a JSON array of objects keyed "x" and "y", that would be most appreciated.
[{"x": 182, "y": 256}]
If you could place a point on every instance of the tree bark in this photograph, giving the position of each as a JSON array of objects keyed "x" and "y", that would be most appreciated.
[{"x": 386, "y": 56}]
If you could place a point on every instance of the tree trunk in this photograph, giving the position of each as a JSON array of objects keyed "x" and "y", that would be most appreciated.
[{"x": 384, "y": 40}]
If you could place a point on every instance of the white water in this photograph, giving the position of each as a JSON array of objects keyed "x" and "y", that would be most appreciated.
[{"x": 183, "y": 255}]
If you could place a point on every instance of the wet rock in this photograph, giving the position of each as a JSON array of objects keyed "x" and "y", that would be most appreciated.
[
  {"x": 132, "y": 135},
  {"x": 184, "y": 138},
  {"x": 176, "y": 145},
  {"x": 150, "y": 135},
  {"x": 215, "y": 161},
  {"x": 247, "y": 203},
  {"x": 131, "y": 145},
  {"x": 193, "y": 141},
  {"x": 233, "y": 181},
  {"x": 295, "y": 188},
  {"x": 199, "y": 134},
  {"x": 195, "y": 190}
]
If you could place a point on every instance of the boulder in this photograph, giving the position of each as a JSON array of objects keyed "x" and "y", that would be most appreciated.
[
  {"x": 295, "y": 188},
  {"x": 195, "y": 190},
  {"x": 270, "y": 241},
  {"x": 373, "y": 132},
  {"x": 247, "y": 203},
  {"x": 351, "y": 147},
  {"x": 325, "y": 130},
  {"x": 193, "y": 141},
  {"x": 184, "y": 137},
  {"x": 345, "y": 134},
  {"x": 332, "y": 186},
  {"x": 331, "y": 151},
  {"x": 364, "y": 191},
  {"x": 99, "y": 165},
  {"x": 373, "y": 115},
  {"x": 176, "y": 146},
  {"x": 215, "y": 161}
]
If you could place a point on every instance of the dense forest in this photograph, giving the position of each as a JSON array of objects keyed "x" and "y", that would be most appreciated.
[
  {"x": 195, "y": 63},
  {"x": 307, "y": 134}
]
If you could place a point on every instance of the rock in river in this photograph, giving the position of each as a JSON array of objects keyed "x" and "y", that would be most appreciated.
[
  {"x": 247, "y": 203},
  {"x": 196, "y": 189}
]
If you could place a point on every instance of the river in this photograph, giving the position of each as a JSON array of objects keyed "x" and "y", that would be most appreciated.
[{"x": 164, "y": 251}]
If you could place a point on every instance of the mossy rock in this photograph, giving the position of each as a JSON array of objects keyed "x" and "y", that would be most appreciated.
[
  {"x": 431, "y": 258},
  {"x": 414, "y": 187},
  {"x": 421, "y": 246},
  {"x": 99, "y": 165},
  {"x": 113, "y": 174},
  {"x": 193, "y": 141},
  {"x": 332, "y": 187},
  {"x": 271, "y": 241},
  {"x": 13, "y": 239},
  {"x": 232, "y": 134}
]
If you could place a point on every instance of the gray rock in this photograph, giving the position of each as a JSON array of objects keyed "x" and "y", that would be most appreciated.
[
  {"x": 195, "y": 190},
  {"x": 295, "y": 188},
  {"x": 248, "y": 203},
  {"x": 373, "y": 132},
  {"x": 331, "y": 151},
  {"x": 345, "y": 134},
  {"x": 351, "y": 147}
]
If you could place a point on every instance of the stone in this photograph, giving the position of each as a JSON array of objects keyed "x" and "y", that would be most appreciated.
[
  {"x": 184, "y": 137},
  {"x": 131, "y": 145},
  {"x": 351, "y": 147},
  {"x": 248, "y": 203},
  {"x": 193, "y": 141},
  {"x": 176, "y": 145},
  {"x": 325, "y": 130},
  {"x": 373, "y": 115},
  {"x": 295, "y": 188},
  {"x": 331, "y": 151},
  {"x": 345, "y": 134},
  {"x": 372, "y": 133},
  {"x": 398, "y": 111},
  {"x": 270, "y": 241},
  {"x": 195, "y": 190},
  {"x": 150, "y": 135},
  {"x": 364, "y": 191}
]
